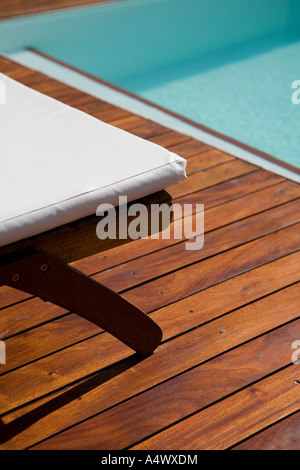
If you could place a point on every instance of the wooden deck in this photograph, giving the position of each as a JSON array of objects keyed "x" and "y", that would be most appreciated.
[
  {"x": 223, "y": 376},
  {"x": 9, "y": 8}
]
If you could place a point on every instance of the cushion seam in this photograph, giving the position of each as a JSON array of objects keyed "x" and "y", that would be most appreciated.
[{"x": 176, "y": 160}]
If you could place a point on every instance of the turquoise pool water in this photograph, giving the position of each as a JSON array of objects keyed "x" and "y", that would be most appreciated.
[{"x": 226, "y": 64}]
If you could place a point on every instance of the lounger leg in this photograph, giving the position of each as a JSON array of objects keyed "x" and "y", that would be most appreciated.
[{"x": 45, "y": 277}]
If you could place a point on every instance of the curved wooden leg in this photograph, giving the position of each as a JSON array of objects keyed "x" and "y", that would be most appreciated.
[{"x": 50, "y": 279}]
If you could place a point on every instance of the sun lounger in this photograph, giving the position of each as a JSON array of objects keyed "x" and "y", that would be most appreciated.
[{"x": 57, "y": 165}]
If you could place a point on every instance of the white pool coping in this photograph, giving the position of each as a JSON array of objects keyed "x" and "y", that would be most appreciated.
[{"x": 117, "y": 98}]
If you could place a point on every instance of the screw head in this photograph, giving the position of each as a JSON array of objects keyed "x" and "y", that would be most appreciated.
[
  {"x": 191, "y": 311},
  {"x": 44, "y": 267},
  {"x": 15, "y": 278},
  {"x": 222, "y": 331},
  {"x": 297, "y": 382}
]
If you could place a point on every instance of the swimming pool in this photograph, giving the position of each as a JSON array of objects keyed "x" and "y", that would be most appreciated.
[{"x": 227, "y": 66}]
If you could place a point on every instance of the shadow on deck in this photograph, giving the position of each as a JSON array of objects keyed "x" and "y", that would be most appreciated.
[{"x": 223, "y": 376}]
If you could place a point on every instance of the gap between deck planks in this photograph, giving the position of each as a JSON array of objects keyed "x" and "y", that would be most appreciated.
[
  {"x": 267, "y": 226},
  {"x": 230, "y": 190},
  {"x": 233, "y": 306},
  {"x": 109, "y": 389},
  {"x": 188, "y": 396},
  {"x": 281, "y": 436},
  {"x": 172, "y": 317}
]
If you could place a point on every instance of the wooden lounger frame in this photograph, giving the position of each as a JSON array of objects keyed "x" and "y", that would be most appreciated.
[{"x": 39, "y": 266}]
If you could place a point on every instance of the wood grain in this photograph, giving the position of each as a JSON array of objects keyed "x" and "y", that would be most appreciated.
[
  {"x": 174, "y": 319},
  {"x": 199, "y": 276},
  {"x": 190, "y": 148},
  {"x": 207, "y": 160},
  {"x": 55, "y": 371},
  {"x": 190, "y": 392},
  {"x": 284, "y": 435},
  {"x": 192, "y": 348},
  {"x": 210, "y": 197},
  {"x": 277, "y": 219},
  {"x": 9, "y": 8},
  {"x": 228, "y": 314},
  {"x": 234, "y": 418},
  {"x": 142, "y": 247},
  {"x": 158, "y": 264},
  {"x": 70, "y": 289},
  {"x": 205, "y": 179}
]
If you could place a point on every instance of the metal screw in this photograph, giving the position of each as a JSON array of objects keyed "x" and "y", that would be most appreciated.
[
  {"x": 191, "y": 311},
  {"x": 222, "y": 331},
  {"x": 160, "y": 293},
  {"x": 44, "y": 267},
  {"x": 297, "y": 382},
  {"x": 258, "y": 355},
  {"x": 132, "y": 274},
  {"x": 104, "y": 257},
  {"x": 15, "y": 278}
]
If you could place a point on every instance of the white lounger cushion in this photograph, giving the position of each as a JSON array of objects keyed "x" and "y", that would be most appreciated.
[{"x": 58, "y": 164}]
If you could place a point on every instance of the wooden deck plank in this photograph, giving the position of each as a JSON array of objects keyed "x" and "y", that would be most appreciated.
[
  {"x": 205, "y": 179},
  {"x": 149, "y": 129},
  {"x": 111, "y": 115},
  {"x": 234, "y": 418},
  {"x": 199, "y": 276},
  {"x": 57, "y": 370},
  {"x": 226, "y": 214},
  {"x": 209, "y": 305},
  {"x": 10, "y": 8},
  {"x": 212, "y": 157},
  {"x": 234, "y": 235},
  {"x": 193, "y": 348},
  {"x": 170, "y": 139},
  {"x": 159, "y": 263},
  {"x": 126, "y": 123},
  {"x": 284, "y": 435},
  {"x": 191, "y": 391},
  {"x": 209, "y": 197},
  {"x": 174, "y": 319},
  {"x": 189, "y": 149}
]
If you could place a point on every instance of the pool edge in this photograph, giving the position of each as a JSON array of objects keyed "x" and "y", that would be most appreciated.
[{"x": 123, "y": 98}]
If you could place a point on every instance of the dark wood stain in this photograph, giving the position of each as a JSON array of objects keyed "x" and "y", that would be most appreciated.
[{"x": 222, "y": 377}]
